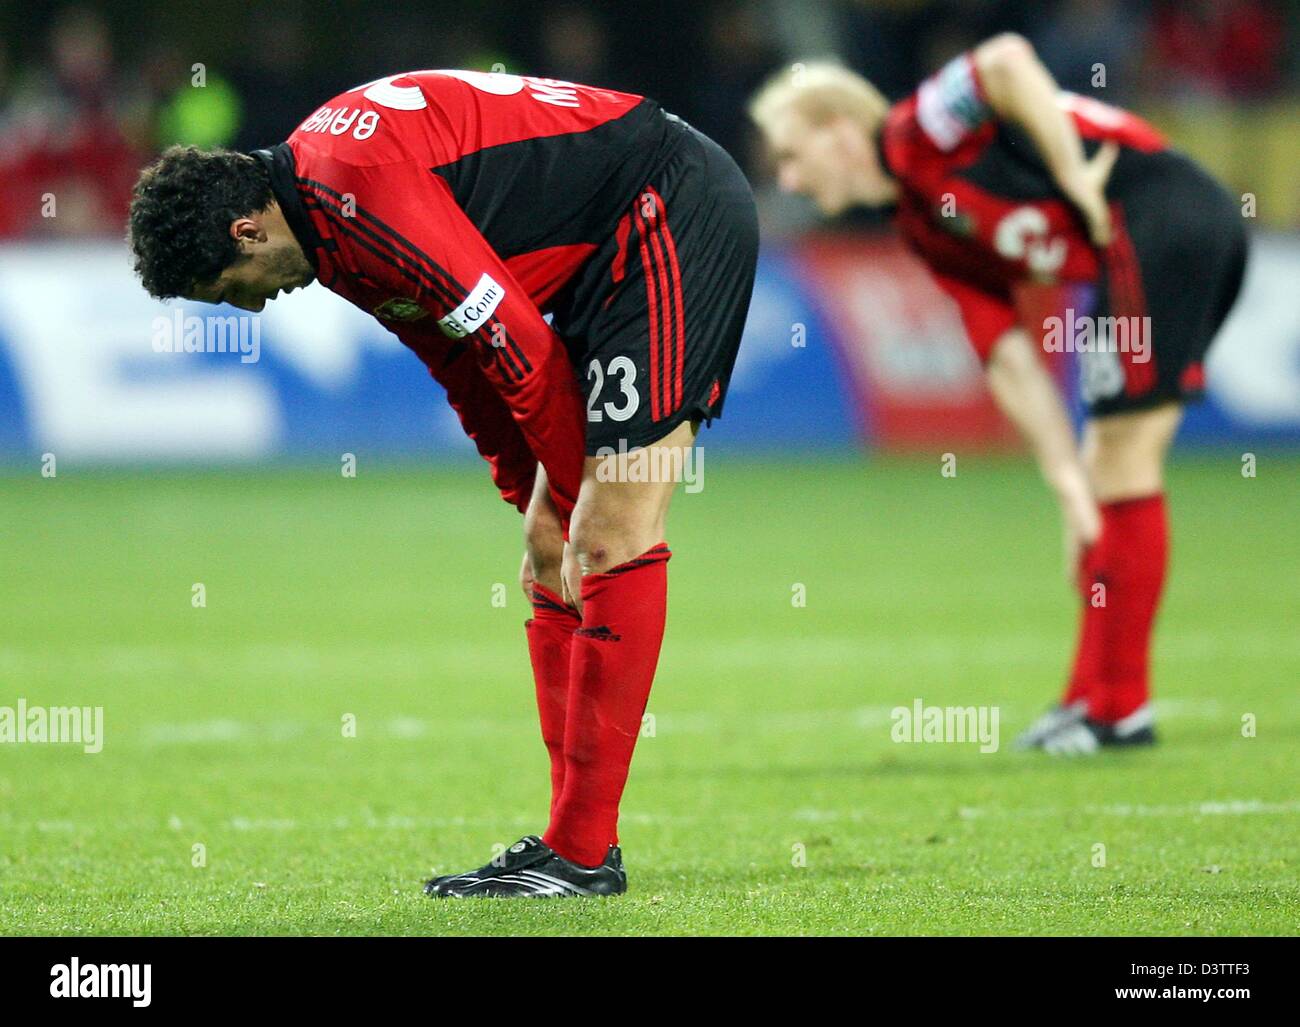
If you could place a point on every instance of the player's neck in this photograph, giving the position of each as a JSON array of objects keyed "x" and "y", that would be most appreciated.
[{"x": 277, "y": 226}]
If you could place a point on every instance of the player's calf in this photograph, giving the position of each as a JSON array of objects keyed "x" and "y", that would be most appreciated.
[
  {"x": 616, "y": 566},
  {"x": 552, "y": 624}
]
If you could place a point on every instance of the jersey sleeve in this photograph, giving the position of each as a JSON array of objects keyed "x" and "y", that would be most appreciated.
[
  {"x": 985, "y": 316},
  {"x": 951, "y": 104},
  {"x": 422, "y": 245},
  {"x": 488, "y": 422}
]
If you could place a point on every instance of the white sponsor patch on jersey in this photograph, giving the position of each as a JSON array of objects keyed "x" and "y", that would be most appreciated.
[
  {"x": 473, "y": 314},
  {"x": 948, "y": 104}
]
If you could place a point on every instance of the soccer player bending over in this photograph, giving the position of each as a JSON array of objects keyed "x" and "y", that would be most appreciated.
[
  {"x": 459, "y": 207},
  {"x": 1000, "y": 180}
]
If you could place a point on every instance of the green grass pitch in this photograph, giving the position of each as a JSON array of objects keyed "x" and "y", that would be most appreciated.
[{"x": 770, "y": 799}]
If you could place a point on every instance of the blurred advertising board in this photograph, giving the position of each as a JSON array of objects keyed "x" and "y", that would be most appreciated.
[{"x": 848, "y": 343}]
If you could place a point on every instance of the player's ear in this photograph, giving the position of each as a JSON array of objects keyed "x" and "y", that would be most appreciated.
[{"x": 246, "y": 230}]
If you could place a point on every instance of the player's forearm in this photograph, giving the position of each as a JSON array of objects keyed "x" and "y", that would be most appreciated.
[
  {"x": 1021, "y": 90},
  {"x": 547, "y": 407},
  {"x": 1027, "y": 395}
]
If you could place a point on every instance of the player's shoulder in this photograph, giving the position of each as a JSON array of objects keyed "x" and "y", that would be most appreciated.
[
  {"x": 917, "y": 153},
  {"x": 408, "y": 115},
  {"x": 354, "y": 128},
  {"x": 436, "y": 117}
]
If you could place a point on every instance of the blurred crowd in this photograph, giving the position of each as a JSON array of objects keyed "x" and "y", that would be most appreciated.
[{"x": 88, "y": 92}]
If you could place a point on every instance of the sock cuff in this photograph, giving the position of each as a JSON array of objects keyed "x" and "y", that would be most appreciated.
[
  {"x": 547, "y": 603},
  {"x": 655, "y": 554},
  {"x": 1134, "y": 505},
  {"x": 1142, "y": 517},
  {"x": 652, "y": 557}
]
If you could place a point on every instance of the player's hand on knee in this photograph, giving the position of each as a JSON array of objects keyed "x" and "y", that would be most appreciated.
[
  {"x": 1072, "y": 554},
  {"x": 571, "y": 578},
  {"x": 526, "y": 577},
  {"x": 1081, "y": 525},
  {"x": 1087, "y": 191}
]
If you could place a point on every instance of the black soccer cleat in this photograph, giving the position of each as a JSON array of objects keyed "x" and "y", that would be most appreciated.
[
  {"x": 1086, "y": 736},
  {"x": 522, "y": 854},
  {"x": 1132, "y": 730},
  {"x": 1049, "y": 723},
  {"x": 532, "y": 869}
]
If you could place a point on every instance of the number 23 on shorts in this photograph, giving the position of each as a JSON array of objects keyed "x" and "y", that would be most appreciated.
[{"x": 621, "y": 373}]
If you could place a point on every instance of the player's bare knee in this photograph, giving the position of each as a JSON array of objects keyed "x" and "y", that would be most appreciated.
[
  {"x": 602, "y": 539},
  {"x": 591, "y": 542}
]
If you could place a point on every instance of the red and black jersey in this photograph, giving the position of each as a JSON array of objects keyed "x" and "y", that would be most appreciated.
[
  {"x": 979, "y": 206},
  {"x": 454, "y": 206}
]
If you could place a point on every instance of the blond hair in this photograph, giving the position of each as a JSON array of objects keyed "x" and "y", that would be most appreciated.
[{"x": 821, "y": 91}]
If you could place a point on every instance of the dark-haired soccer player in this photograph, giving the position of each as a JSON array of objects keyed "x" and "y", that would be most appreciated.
[
  {"x": 459, "y": 207},
  {"x": 1000, "y": 179}
]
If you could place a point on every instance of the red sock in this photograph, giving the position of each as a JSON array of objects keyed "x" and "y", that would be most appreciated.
[
  {"x": 1085, "y": 674},
  {"x": 612, "y": 666},
  {"x": 550, "y": 635},
  {"x": 1130, "y": 560}
]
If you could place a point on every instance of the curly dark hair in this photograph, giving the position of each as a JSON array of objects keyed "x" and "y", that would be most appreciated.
[{"x": 181, "y": 213}]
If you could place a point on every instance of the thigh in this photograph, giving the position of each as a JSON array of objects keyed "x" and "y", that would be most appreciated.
[
  {"x": 1125, "y": 452},
  {"x": 623, "y": 503}
]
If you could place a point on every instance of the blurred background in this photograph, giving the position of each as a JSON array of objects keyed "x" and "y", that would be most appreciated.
[{"x": 849, "y": 345}]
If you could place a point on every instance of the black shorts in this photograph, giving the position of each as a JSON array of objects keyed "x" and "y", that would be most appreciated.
[
  {"x": 1178, "y": 259},
  {"x": 653, "y": 322}
]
